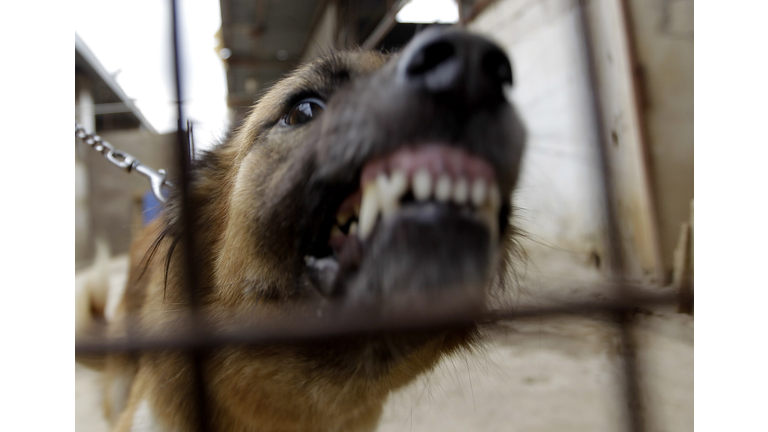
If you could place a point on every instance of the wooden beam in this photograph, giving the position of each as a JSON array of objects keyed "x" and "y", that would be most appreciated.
[
  {"x": 316, "y": 18},
  {"x": 469, "y": 13},
  {"x": 384, "y": 27}
]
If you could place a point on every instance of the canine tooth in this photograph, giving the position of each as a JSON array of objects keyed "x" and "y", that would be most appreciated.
[
  {"x": 369, "y": 209},
  {"x": 443, "y": 188},
  {"x": 461, "y": 191},
  {"x": 391, "y": 190},
  {"x": 353, "y": 228},
  {"x": 382, "y": 182},
  {"x": 479, "y": 189},
  {"x": 387, "y": 201},
  {"x": 388, "y": 207},
  {"x": 422, "y": 184},
  {"x": 398, "y": 181}
]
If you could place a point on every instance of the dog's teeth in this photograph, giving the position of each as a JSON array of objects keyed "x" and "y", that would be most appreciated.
[
  {"x": 489, "y": 211},
  {"x": 382, "y": 182},
  {"x": 391, "y": 190},
  {"x": 478, "y": 192},
  {"x": 422, "y": 184},
  {"x": 388, "y": 207},
  {"x": 387, "y": 199},
  {"x": 353, "y": 228},
  {"x": 460, "y": 191},
  {"x": 398, "y": 182},
  {"x": 369, "y": 209},
  {"x": 443, "y": 188}
]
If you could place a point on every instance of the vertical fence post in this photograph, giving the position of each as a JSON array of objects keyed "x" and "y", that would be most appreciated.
[
  {"x": 188, "y": 218},
  {"x": 622, "y": 317}
]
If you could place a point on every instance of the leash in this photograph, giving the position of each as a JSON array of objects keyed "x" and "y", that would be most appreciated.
[{"x": 157, "y": 179}]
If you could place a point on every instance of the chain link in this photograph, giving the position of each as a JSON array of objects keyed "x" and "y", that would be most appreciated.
[{"x": 157, "y": 179}]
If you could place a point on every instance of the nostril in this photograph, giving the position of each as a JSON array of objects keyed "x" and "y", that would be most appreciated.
[
  {"x": 495, "y": 65},
  {"x": 430, "y": 57},
  {"x": 459, "y": 70}
]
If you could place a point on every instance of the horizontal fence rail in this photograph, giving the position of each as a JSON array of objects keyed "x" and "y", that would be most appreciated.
[{"x": 196, "y": 332}]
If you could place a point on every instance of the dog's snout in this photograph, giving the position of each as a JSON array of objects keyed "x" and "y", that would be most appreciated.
[{"x": 457, "y": 65}]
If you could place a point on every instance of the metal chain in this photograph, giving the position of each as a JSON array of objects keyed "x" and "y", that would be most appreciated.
[{"x": 121, "y": 159}]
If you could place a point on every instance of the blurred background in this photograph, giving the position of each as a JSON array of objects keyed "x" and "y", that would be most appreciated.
[{"x": 634, "y": 57}]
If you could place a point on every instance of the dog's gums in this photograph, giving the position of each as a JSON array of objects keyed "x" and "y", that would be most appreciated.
[
  {"x": 431, "y": 172},
  {"x": 425, "y": 180}
]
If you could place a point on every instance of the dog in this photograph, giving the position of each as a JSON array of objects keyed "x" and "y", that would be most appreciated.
[{"x": 377, "y": 181}]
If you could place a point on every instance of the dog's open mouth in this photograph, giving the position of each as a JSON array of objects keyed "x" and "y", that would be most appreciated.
[{"x": 423, "y": 219}]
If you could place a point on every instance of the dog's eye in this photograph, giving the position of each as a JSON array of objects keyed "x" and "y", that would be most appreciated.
[{"x": 304, "y": 111}]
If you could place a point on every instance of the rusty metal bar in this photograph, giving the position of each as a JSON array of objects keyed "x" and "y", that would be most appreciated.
[
  {"x": 387, "y": 23},
  {"x": 317, "y": 17},
  {"x": 342, "y": 321},
  {"x": 639, "y": 96},
  {"x": 188, "y": 218},
  {"x": 624, "y": 321}
]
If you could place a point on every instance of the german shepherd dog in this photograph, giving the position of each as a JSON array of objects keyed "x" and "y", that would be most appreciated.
[{"x": 379, "y": 181}]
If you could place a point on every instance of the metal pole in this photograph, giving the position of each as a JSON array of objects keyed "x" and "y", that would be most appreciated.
[
  {"x": 623, "y": 318},
  {"x": 188, "y": 218}
]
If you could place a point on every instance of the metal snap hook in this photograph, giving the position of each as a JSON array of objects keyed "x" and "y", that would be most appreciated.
[{"x": 157, "y": 179}]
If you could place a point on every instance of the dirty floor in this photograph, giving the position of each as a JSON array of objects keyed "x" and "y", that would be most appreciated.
[{"x": 539, "y": 375}]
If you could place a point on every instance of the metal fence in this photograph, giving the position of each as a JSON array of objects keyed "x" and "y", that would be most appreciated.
[{"x": 198, "y": 338}]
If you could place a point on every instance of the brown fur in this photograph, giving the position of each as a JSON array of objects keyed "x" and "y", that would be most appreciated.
[{"x": 261, "y": 197}]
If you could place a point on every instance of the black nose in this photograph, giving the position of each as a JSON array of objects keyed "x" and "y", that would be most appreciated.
[{"x": 457, "y": 67}]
